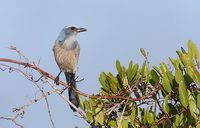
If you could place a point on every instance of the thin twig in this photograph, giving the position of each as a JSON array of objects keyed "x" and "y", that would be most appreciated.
[
  {"x": 32, "y": 101},
  {"x": 48, "y": 75},
  {"x": 122, "y": 115},
  {"x": 49, "y": 112},
  {"x": 13, "y": 119},
  {"x": 65, "y": 99},
  {"x": 29, "y": 77},
  {"x": 19, "y": 52}
]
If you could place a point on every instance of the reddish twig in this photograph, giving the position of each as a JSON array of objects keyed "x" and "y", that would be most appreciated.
[
  {"x": 33, "y": 67},
  {"x": 43, "y": 72}
]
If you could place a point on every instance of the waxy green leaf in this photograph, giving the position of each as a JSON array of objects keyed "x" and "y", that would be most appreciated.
[{"x": 165, "y": 104}]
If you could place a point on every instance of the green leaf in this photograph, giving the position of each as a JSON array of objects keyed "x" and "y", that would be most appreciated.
[
  {"x": 129, "y": 70},
  {"x": 183, "y": 50},
  {"x": 165, "y": 104},
  {"x": 181, "y": 119},
  {"x": 102, "y": 80},
  {"x": 133, "y": 116},
  {"x": 157, "y": 70},
  {"x": 113, "y": 82},
  {"x": 179, "y": 53},
  {"x": 112, "y": 123},
  {"x": 145, "y": 70},
  {"x": 193, "y": 50},
  {"x": 193, "y": 74},
  {"x": 182, "y": 88},
  {"x": 131, "y": 74},
  {"x": 171, "y": 60},
  {"x": 163, "y": 67},
  {"x": 198, "y": 64},
  {"x": 123, "y": 73},
  {"x": 89, "y": 116},
  {"x": 198, "y": 125},
  {"x": 154, "y": 76},
  {"x": 179, "y": 76},
  {"x": 175, "y": 63},
  {"x": 124, "y": 123},
  {"x": 99, "y": 118},
  {"x": 112, "y": 78},
  {"x": 154, "y": 126},
  {"x": 118, "y": 66},
  {"x": 186, "y": 61},
  {"x": 183, "y": 95},
  {"x": 188, "y": 79},
  {"x": 81, "y": 102},
  {"x": 170, "y": 77},
  {"x": 125, "y": 81},
  {"x": 178, "y": 120},
  {"x": 121, "y": 69},
  {"x": 192, "y": 105},
  {"x": 198, "y": 100},
  {"x": 93, "y": 102},
  {"x": 193, "y": 108},
  {"x": 86, "y": 105},
  {"x": 113, "y": 88},
  {"x": 130, "y": 65},
  {"x": 166, "y": 84},
  {"x": 150, "y": 117},
  {"x": 143, "y": 52}
]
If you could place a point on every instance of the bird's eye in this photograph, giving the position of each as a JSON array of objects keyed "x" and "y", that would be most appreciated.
[{"x": 73, "y": 28}]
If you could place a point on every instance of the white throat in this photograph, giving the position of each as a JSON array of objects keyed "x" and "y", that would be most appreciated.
[{"x": 68, "y": 41}]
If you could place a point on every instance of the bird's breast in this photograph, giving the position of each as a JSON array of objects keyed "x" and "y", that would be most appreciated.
[{"x": 67, "y": 57}]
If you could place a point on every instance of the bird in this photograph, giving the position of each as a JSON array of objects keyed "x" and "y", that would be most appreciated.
[{"x": 66, "y": 52}]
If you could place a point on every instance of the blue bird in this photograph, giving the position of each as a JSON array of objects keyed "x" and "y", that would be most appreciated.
[{"x": 66, "y": 51}]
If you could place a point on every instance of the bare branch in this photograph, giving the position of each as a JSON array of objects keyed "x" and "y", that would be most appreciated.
[
  {"x": 13, "y": 119},
  {"x": 49, "y": 112},
  {"x": 48, "y": 75}
]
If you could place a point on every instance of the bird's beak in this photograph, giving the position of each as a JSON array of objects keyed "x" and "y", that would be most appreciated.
[{"x": 82, "y": 29}]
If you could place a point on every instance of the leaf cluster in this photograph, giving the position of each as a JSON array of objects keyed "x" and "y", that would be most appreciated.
[{"x": 159, "y": 96}]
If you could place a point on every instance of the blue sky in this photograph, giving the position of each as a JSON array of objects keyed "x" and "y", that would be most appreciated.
[{"x": 116, "y": 30}]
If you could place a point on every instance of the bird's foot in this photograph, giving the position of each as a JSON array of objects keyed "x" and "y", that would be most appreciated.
[
  {"x": 76, "y": 79},
  {"x": 56, "y": 81},
  {"x": 61, "y": 92}
]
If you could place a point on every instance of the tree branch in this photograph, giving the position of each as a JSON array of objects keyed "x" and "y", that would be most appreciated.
[{"x": 48, "y": 75}]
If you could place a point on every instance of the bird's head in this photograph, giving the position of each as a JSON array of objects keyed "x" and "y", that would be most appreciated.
[{"x": 70, "y": 31}]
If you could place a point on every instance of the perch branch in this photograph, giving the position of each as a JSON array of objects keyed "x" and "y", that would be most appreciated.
[{"x": 48, "y": 75}]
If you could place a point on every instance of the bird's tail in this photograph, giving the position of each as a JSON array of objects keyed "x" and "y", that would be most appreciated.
[{"x": 73, "y": 96}]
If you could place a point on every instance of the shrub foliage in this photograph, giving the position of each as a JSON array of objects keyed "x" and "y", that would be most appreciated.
[{"x": 158, "y": 96}]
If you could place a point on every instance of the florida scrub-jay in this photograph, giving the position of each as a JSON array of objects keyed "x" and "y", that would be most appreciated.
[{"x": 66, "y": 51}]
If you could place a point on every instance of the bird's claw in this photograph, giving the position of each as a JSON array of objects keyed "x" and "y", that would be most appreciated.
[{"x": 56, "y": 81}]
